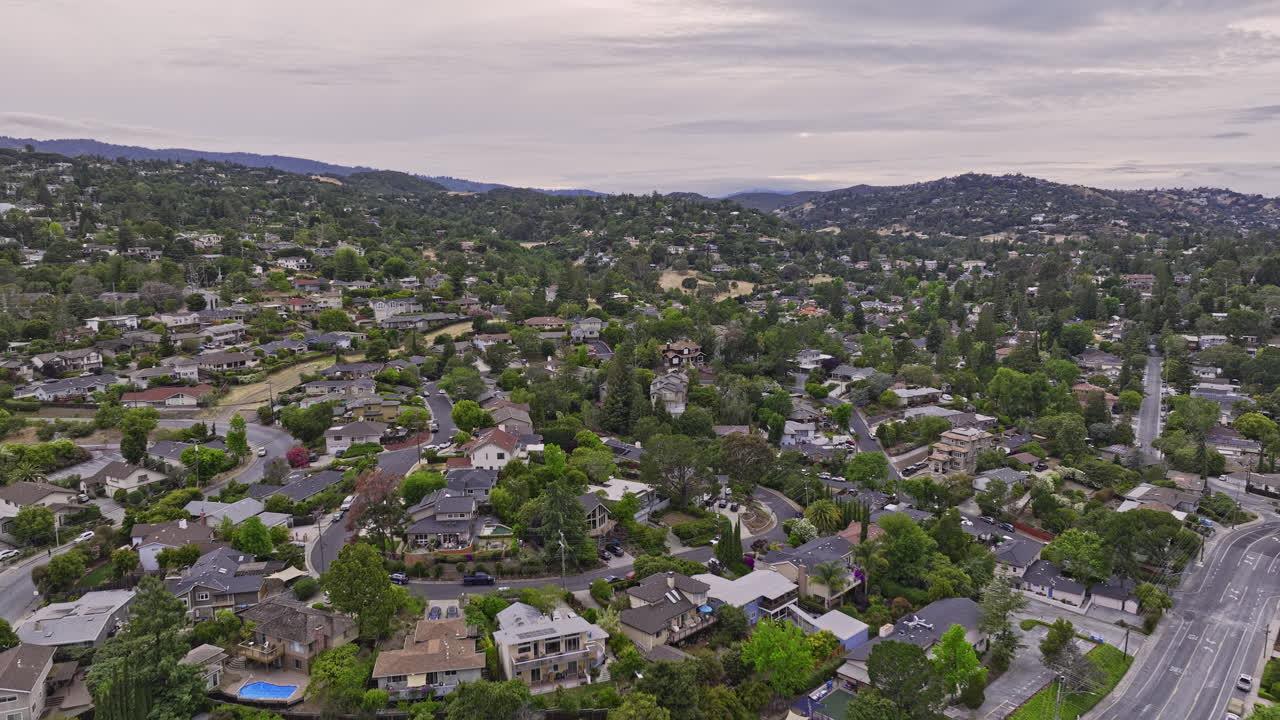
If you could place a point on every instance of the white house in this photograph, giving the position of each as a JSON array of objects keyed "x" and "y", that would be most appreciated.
[
  {"x": 340, "y": 439},
  {"x": 492, "y": 450}
]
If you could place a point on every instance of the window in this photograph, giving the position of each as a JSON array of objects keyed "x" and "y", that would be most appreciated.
[
  {"x": 297, "y": 664},
  {"x": 551, "y": 647},
  {"x": 524, "y": 649},
  {"x": 202, "y": 595},
  {"x": 501, "y": 456},
  {"x": 571, "y": 644},
  {"x": 13, "y": 715},
  {"x": 6, "y": 699},
  {"x": 397, "y": 678}
]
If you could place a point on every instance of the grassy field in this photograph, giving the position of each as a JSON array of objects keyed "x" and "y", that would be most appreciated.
[
  {"x": 1111, "y": 662},
  {"x": 96, "y": 577},
  {"x": 671, "y": 279}
]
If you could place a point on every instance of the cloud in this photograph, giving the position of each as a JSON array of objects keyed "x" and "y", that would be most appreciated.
[
  {"x": 1257, "y": 114},
  {"x": 1233, "y": 135}
]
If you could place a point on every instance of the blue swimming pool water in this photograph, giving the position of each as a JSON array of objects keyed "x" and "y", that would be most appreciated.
[{"x": 267, "y": 691}]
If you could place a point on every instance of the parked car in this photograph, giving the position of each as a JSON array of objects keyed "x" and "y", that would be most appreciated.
[
  {"x": 478, "y": 579},
  {"x": 611, "y": 579},
  {"x": 1244, "y": 683},
  {"x": 616, "y": 550},
  {"x": 8, "y": 554},
  {"x": 1007, "y": 527},
  {"x": 1041, "y": 466},
  {"x": 451, "y": 611},
  {"x": 82, "y": 497},
  {"x": 723, "y": 503},
  {"x": 734, "y": 507},
  {"x": 84, "y": 536},
  {"x": 987, "y": 519},
  {"x": 399, "y": 578},
  {"x": 604, "y": 555},
  {"x": 435, "y": 614}
]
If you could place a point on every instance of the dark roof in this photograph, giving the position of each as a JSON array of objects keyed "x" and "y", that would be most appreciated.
[
  {"x": 653, "y": 588},
  {"x": 1018, "y": 552},
  {"x": 299, "y": 489},
  {"x": 1045, "y": 573},
  {"x": 283, "y": 618},
  {"x": 814, "y": 552},
  {"x": 1115, "y": 587},
  {"x": 925, "y": 627},
  {"x": 651, "y": 618},
  {"x": 471, "y": 478},
  {"x": 22, "y": 667}
]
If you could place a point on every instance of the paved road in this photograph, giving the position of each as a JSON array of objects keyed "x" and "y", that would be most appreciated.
[
  {"x": 1217, "y": 630},
  {"x": 17, "y": 591},
  {"x": 1149, "y": 413},
  {"x": 441, "y": 411},
  {"x": 867, "y": 441}
]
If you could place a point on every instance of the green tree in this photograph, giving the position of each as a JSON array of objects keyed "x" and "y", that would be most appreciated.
[
  {"x": 33, "y": 525},
  {"x": 867, "y": 468},
  {"x": 418, "y": 484},
  {"x": 8, "y": 638},
  {"x": 639, "y": 706},
  {"x": 832, "y": 575},
  {"x": 904, "y": 675},
  {"x": 869, "y": 704},
  {"x": 825, "y": 515},
  {"x": 414, "y": 419},
  {"x": 1130, "y": 401},
  {"x": 338, "y": 678},
  {"x": 462, "y": 383},
  {"x": 955, "y": 660},
  {"x": 307, "y": 424},
  {"x": 778, "y": 651},
  {"x": 61, "y": 573},
  {"x": 677, "y": 687},
  {"x": 138, "y": 673},
  {"x": 488, "y": 700},
  {"x": 1066, "y": 432},
  {"x": 203, "y": 463},
  {"x": 678, "y": 466},
  {"x": 468, "y": 415},
  {"x": 907, "y": 548},
  {"x": 135, "y": 426},
  {"x": 253, "y": 537},
  {"x": 1052, "y": 648},
  {"x": 1000, "y": 601},
  {"x": 124, "y": 561},
  {"x": 1081, "y": 554},
  {"x": 237, "y": 439},
  {"x": 358, "y": 584},
  {"x": 623, "y": 400}
]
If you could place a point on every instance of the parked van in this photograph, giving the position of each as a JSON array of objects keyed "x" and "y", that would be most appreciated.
[{"x": 346, "y": 503}]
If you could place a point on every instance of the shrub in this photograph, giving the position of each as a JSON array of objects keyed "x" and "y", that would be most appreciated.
[
  {"x": 697, "y": 532},
  {"x": 306, "y": 588},
  {"x": 601, "y": 591}
]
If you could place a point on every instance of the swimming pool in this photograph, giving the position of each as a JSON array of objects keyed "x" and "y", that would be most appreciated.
[{"x": 267, "y": 691}]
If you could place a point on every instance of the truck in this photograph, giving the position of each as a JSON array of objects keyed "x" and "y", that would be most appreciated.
[
  {"x": 478, "y": 579},
  {"x": 347, "y": 502}
]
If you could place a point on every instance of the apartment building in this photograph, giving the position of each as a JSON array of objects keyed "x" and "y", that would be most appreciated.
[{"x": 957, "y": 450}]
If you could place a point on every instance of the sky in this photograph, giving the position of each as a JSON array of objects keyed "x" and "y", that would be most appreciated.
[{"x": 710, "y": 96}]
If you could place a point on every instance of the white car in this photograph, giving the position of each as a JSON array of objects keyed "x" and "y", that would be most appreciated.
[
  {"x": 7, "y": 554},
  {"x": 84, "y": 536},
  {"x": 1245, "y": 683},
  {"x": 262, "y": 451}
]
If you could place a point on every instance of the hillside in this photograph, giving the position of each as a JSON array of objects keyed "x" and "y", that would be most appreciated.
[
  {"x": 975, "y": 205},
  {"x": 303, "y": 166},
  {"x": 770, "y": 201}
]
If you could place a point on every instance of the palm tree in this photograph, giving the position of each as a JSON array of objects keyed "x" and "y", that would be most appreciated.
[
  {"x": 825, "y": 515},
  {"x": 833, "y": 575},
  {"x": 25, "y": 471}
]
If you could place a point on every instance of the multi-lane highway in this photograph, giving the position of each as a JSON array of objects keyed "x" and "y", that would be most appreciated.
[{"x": 1216, "y": 631}]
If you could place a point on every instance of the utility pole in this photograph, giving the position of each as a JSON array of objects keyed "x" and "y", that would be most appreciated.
[{"x": 563, "y": 549}]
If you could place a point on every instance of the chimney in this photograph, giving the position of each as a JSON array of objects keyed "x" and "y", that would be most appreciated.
[
  {"x": 182, "y": 524},
  {"x": 671, "y": 579},
  {"x": 886, "y": 630}
]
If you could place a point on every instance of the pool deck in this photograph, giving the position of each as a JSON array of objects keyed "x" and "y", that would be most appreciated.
[{"x": 236, "y": 679}]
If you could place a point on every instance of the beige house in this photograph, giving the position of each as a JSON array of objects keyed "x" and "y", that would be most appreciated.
[
  {"x": 546, "y": 652},
  {"x": 599, "y": 520},
  {"x": 438, "y": 656},
  {"x": 957, "y": 450},
  {"x": 665, "y": 609}
]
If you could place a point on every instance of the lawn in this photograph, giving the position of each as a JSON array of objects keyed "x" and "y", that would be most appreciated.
[
  {"x": 1107, "y": 659},
  {"x": 96, "y": 577}
]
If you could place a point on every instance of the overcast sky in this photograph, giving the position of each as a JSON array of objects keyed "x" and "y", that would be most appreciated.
[{"x": 705, "y": 95}]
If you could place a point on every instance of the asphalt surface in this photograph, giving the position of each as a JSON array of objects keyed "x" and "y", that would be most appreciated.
[
  {"x": 1216, "y": 631},
  {"x": 441, "y": 411},
  {"x": 1149, "y": 412},
  {"x": 867, "y": 441}
]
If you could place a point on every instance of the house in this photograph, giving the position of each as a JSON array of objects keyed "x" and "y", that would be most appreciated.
[
  {"x": 1010, "y": 477},
  {"x": 165, "y": 374},
  {"x": 1099, "y": 362},
  {"x": 224, "y": 334},
  {"x": 811, "y": 359},
  {"x": 512, "y": 418},
  {"x": 665, "y": 609},
  {"x": 21, "y": 494},
  {"x": 545, "y": 652},
  {"x": 117, "y": 476},
  {"x": 149, "y": 539},
  {"x": 797, "y": 433},
  {"x": 758, "y": 594},
  {"x": 384, "y": 308},
  {"x": 442, "y": 520},
  {"x": 224, "y": 579},
  {"x": 1116, "y": 593},
  {"x": 340, "y": 439},
  {"x": 166, "y": 397},
  {"x": 923, "y": 629},
  {"x": 586, "y": 328},
  {"x": 219, "y": 362},
  {"x": 472, "y": 482},
  {"x": 671, "y": 391},
  {"x": 75, "y": 388},
  {"x": 599, "y": 520},
  {"x": 1045, "y": 580},
  {"x": 212, "y": 512},
  {"x": 850, "y": 631},
  {"x": 492, "y": 450},
  {"x": 682, "y": 353},
  {"x": 848, "y": 373},
  {"x": 178, "y": 320},
  {"x": 289, "y": 634},
  {"x": 614, "y": 489},
  {"x": 352, "y": 371},
  {"x": 65, "y": 361},
  {"x": 1016, "y": 555},
  {"x": 211, "y": 660},
  {"x": 1235, "y": 447},
  {"x": 24, "y": 675},
  {"x": 796, "y": 564},
  {"x": 298, "y": 487},
  {"x": 544, "y": 323},
  {"x": 437, "y": 657},
  {"x": 119, "y": 322},
  {"x": 957, "y": 450},
  {"x": 911, "y": 397},
  {"x": 169, "y": 452},
  {"x": 85, "y": 622}
]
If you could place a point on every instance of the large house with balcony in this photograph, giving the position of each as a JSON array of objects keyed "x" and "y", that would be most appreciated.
[
  {"x": 666, "y": 609},
  {"x": 682, "y": 353},
  {"x": 957, "y": 450},
  {"x": 442, "y": 520},
  {"x": 289, "y": 634},
  {"x": 671, "y": 391},
  {"x": 797, "y": 565},
  {"x": 438, "y": 656},
  {"x": 599, "y": 520},
  {"x": 224, "y": 579},
  {"x": 547, "y": 652},
  {"x": 759, "y": 594},
  {"x": 24, "y": 675}
]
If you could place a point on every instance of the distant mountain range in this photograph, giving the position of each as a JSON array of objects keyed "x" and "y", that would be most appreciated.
[
  {"x": 976, "y": 204},
  {"x": 303, "y": 166},
  {"x": 968, "y": 205}
]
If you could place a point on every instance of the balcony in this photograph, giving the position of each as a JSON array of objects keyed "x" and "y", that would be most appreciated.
[
  {"x": 261, "y": 652},
  {"x": 526, "y": 661}
]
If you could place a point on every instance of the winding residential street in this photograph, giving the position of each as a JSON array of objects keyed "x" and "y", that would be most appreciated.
[
  {"x": 1149, "y": 414},
  {"x": 867, "y": 441}
]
